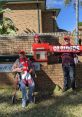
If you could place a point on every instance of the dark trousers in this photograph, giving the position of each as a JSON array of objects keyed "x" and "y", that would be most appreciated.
[{"x": 69, "y": 76}]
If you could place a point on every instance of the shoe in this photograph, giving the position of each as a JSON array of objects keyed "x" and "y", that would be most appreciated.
[
  {"x": 23, "y": 103},
  {"x": 31, "y": 102},
  {"x": 27, "y": 102}
]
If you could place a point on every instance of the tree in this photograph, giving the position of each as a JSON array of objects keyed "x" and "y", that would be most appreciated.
[
  {"x": 69, "y": 1},
  {"x": 6, "y": 24}
]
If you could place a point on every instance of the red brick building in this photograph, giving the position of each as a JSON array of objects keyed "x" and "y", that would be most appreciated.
[{"x": 32, "y": 16}]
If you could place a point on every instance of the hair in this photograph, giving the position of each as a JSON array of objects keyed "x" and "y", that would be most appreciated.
[{"x": 22, "y": 52}]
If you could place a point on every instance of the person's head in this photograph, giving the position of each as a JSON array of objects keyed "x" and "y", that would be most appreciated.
[
  {"x": 36, "y": 38},
  {"x": 21, "y": 53},
  {"x": 67, "y": 39}
]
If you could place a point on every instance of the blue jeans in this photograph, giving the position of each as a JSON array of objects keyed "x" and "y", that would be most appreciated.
[
  {"x": 69, "y": 74},
  {"x": 30, "y": 93},
  {"x": 24, "y": 92}
]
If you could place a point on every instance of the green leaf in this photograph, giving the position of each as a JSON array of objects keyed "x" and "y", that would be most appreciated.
[
  {"x": 1, "y": 26},
  {"x": 67, "y": 2},
  {"x": 80, "y": 23},
  {"x": 6, "y": 24}
]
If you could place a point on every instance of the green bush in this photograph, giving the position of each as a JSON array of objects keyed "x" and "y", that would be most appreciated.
[
  {"x": 7, "y": 27},
  {"x": 80, "y": 23},
  {"x": 6, "y": 24}
]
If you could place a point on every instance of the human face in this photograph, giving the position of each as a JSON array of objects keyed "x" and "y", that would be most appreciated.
[
  {"x": 21, "y": 55},
  {"x": 36, "y": 40}
]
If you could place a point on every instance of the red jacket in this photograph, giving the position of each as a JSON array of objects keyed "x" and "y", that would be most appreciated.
[{"x": 25, "y": 64}]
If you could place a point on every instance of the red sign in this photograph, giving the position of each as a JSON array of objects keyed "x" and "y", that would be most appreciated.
[
  {"x": 74, "y": 48},
  {"x": 40, "y": 46},
  {"x": 41, "y": 50}
]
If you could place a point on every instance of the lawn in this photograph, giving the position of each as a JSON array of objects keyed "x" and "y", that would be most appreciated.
[{"x": 61, "y": 105}]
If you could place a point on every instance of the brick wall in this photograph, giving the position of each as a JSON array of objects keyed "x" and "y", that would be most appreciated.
[
  {"x": 6, "y": 80},
  {"x": 50, "y": 74},
  {"x": 11, "y": 45},
  {"x": 80, "y": 32},
  {"x": 47, "y": 26},
  {"x": 25, "y": 18}
]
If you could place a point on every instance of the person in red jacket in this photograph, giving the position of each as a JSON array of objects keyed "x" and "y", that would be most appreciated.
[
  {"x": 36, "y": 41},
  {"x": 23, "y": 67},
  {"x": 68, "y": 66}
]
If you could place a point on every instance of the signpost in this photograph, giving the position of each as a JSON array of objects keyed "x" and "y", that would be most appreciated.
[{"x": 41, "y": 50}]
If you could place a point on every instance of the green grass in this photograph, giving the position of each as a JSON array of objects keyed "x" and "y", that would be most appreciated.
[{"x": 61, "y": 105}]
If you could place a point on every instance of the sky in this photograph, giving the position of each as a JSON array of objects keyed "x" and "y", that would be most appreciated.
[{"x": 66, "y": 18}]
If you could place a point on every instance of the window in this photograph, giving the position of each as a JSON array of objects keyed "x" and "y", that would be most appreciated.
[{"x": 41, "y": 55}]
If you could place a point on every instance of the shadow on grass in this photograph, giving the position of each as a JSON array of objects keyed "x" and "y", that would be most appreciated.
[
  {"x": 54, "y": 106},
  {"x": 6, "y": 97},
  {"x": 79, "y": 74}
]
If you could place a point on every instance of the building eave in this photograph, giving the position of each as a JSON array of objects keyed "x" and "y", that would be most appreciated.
[
  {"x": 55, "y": 10},
  {"x": 22, "y": 1}
]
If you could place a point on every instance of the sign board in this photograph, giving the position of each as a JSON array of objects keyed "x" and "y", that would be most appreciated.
[
  {"x": 59, "y": 48},
  {"x": 5, "y": 67},
  {"x": 74, "y": 48},
  {"x": 8, "y": 67},
  {"x": 40, "y": 46}
]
